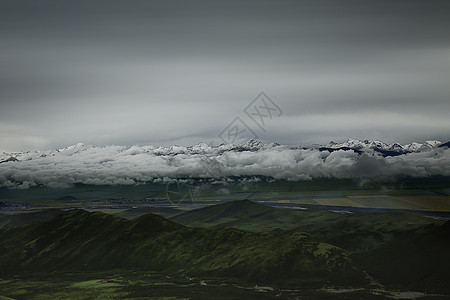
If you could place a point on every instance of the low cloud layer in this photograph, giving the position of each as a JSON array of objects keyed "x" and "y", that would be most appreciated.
[{"x": 120, "y": 165}]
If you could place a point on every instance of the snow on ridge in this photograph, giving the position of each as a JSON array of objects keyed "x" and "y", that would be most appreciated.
[
  {"x": 111, "y": 165},
  {"x": 378, "y": 145},
  {"x": 204, "y": 148}
]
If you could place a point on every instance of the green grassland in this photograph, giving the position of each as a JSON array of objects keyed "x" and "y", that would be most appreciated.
[
  {"x": 134, "y": 213},
  {"x": 221, "y": 242},
  {"x": 356, "y": 231},
  {"x": 88, "y": 255},
  {"x": 96, "y": 241},
  {"x": 248, "y": 215},
  {"x": 403, "y": 249}
]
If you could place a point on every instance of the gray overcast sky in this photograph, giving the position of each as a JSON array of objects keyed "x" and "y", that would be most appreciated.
[{"x": 178, "y": 72}]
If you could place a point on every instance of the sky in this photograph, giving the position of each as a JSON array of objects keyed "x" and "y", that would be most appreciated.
[{"x": 181, "y": 72}]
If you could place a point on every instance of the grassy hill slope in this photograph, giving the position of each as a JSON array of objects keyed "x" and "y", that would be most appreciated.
[
  {"x": 134, "y": 213},
  {"x": 399, "y": 249},
  {"x": 359, "y": 232},
  {"x": 251, "y": 216},
  {"x": 355, "y": 232},
  {"x": 78, "y": 240},
  {"x": 415, "y": 261},
  {"x": 19, "y": 219}
]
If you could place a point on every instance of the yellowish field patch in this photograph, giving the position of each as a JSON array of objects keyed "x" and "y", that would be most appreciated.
[
  {"x": 283, "y": 201},
  {"x": 303, "y": 201},
  {"x": 435, "y": 203},
  {"x": 338, "y": 202},
  {"x": 382, "y": 201},
  {"x": 369, "y": 196}
]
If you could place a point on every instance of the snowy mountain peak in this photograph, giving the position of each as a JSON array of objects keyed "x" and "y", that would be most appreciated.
[
  {"x": 253, "y": 144},
  {"x": 199, "y": 148},
  {"x": 357, "y": 144},
  {"x": 432, "y": 143},
  {"x": 71, "y": 147},
  {"x": 396, "y": 147},
  {"x": 388, "y": 149},
  {"x": 412, "y": 146},
  {"x": 122, "y": 165}
]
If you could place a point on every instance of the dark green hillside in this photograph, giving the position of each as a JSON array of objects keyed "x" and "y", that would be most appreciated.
[
  {"x": 419, "y": 262},
  {"x": 365, "y": 231},
  {"x": 248, "y": 215},
  {"x": 355, "y": 232},
  {"x": 18, "y": 219},
  {"x": 78, "y": 240},
  {"x": 399, "y": 249},
  {"x": 133, "y": 213}
]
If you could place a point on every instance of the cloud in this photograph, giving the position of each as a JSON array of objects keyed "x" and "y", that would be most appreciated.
[
  {"x": 154, "y": 72},
  {"x": 121, "y": 165}
]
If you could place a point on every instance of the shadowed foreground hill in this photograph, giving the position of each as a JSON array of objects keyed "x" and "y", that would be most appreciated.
[
  {"x": 419, "y": 262},
  {"x": 78, "y": 240},
  {"x": 360, "y": 232}
]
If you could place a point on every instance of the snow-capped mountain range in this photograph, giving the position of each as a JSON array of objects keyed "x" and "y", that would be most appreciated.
[
  {"x": 124, "y": 165},
  {"x": 359, "y": 146},
  {"x": 386, "y": 149}
]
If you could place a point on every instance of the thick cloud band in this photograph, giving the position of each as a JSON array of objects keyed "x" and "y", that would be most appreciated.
[{"x": 120, "y": 165}]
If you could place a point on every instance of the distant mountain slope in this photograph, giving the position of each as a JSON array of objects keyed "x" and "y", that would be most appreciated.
[
  {"x": 445, "y": 145},
  {"x": 78, "y": 240},
  {"x": 134, "y": 213},
  {"x": 355, "y": 232},
  {"x": 18, "y": 219},
  {"x": 248, "y": 215}
]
